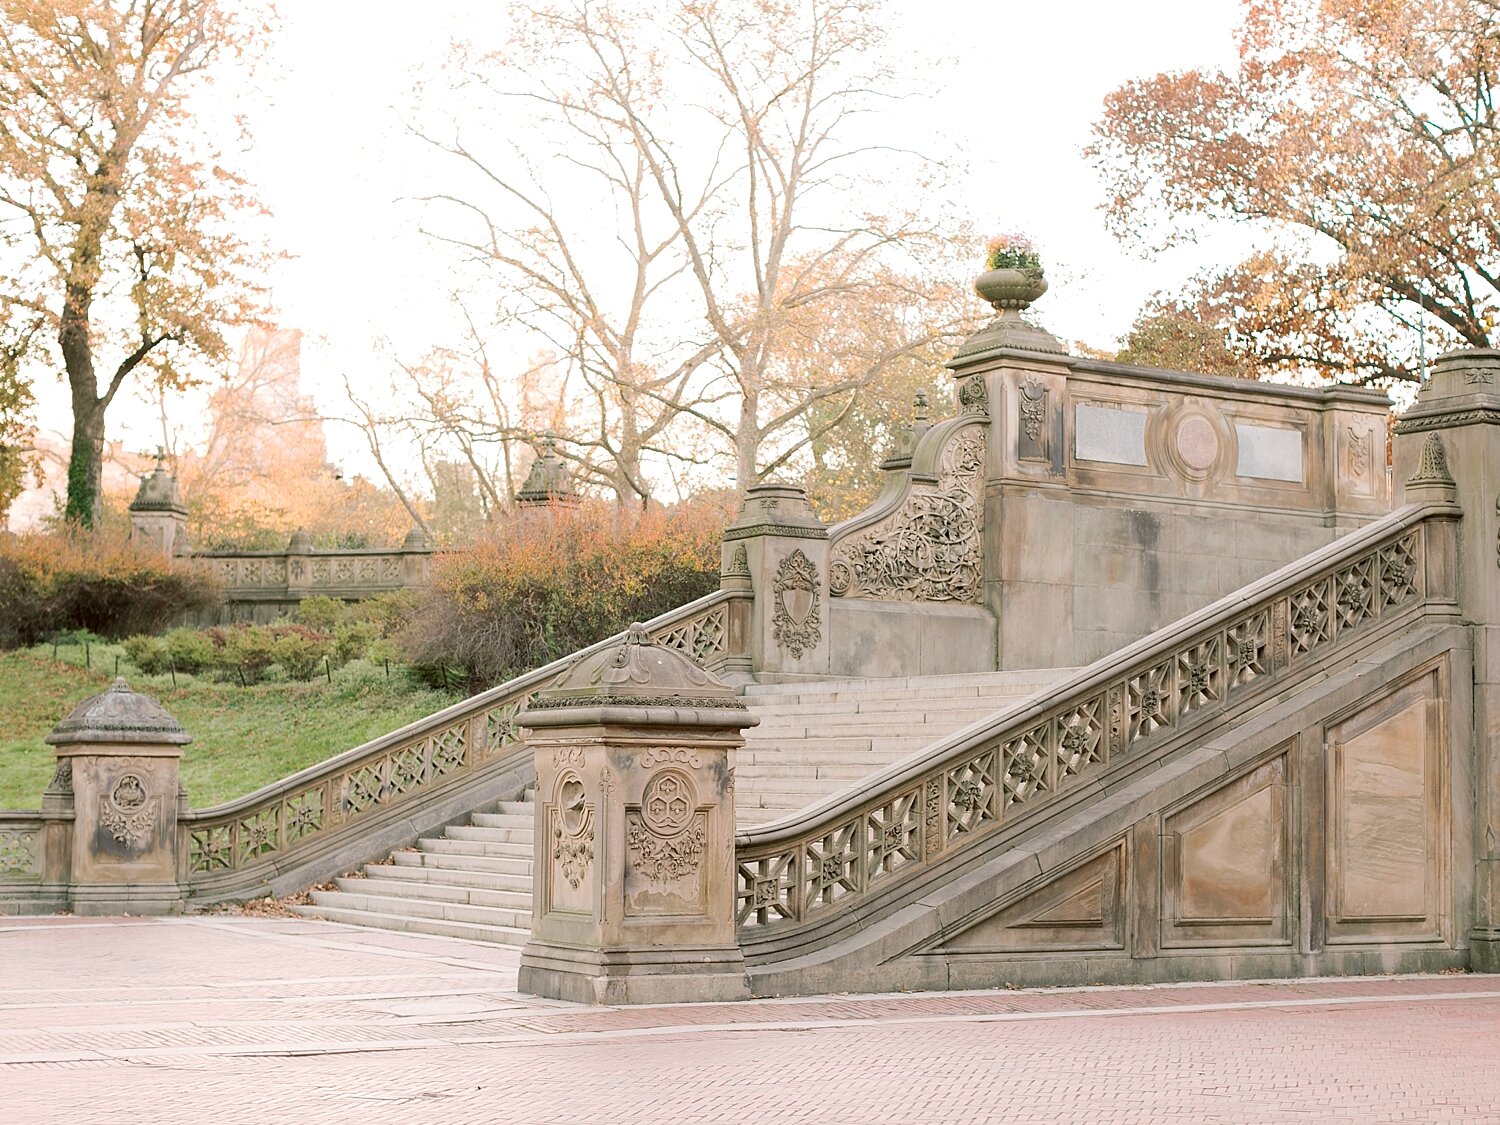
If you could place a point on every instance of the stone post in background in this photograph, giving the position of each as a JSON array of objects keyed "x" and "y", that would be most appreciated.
[
  {"x": 416, "y": 560},
  {"x": 634, "y": 862},
  {"x": 1451, "y": 437},
  {"x": 118, "y": 753},
  {"x": 158, "y": 517},
  {"x": 779, "y": 542}
]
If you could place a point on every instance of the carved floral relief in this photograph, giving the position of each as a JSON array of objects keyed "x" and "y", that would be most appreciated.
[{"x": 928, "y": 549}]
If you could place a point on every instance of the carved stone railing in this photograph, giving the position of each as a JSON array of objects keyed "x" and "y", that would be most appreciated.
[
  {"x": 922, "y": 539},
  {"x": 21, "y": 842},
  {"x": 309, "y": 818},
  {"x": 927, "y": 809}
]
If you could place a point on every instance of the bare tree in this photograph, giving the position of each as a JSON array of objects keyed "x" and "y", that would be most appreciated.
[{"x": 685, "y": 208}]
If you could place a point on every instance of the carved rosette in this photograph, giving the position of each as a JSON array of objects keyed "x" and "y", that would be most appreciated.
[
  {"x": 668, "y": 835},
  {"x": 929, "y": 549},
  {"x": 795, "y": 623}
]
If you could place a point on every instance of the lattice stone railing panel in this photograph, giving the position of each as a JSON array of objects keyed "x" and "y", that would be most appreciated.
[
  {"x": 20, "y": 851},
  {"x": 927, "y": 808},
  {"x": 296, "y": 817}
]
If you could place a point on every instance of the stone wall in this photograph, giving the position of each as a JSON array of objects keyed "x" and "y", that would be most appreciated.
[
  {"x": 260, "y": 586},
  {"x": 1117, "y": 498}
]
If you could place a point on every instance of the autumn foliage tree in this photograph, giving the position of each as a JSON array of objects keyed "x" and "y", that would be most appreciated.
[
  {"x": 1361, "y": 137},
  {"x": 119, "y": 226}
]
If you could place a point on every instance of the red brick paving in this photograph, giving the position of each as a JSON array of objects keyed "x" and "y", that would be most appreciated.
[{"x": 227, "y": 1020}]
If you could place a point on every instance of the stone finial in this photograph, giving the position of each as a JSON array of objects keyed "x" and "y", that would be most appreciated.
[
  {"x": 548, "y": 484},
  {"x": 159, "y": 491},
  {"x": 908, "y": 436},
  {"x": 1432, "y": 468},
  {"x": 119, "y": 715},
  {"x": 739, "y": 563},
  {"x": 416, "y": 540},
  {"x": 300, "y": 543},
  {"x": 637, "y": 672}
]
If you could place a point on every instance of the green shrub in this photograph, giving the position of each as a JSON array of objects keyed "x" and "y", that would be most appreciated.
[
  {"x": 300, "y": 652},
  {"x": 540, "y": 589},
  {"x": 190, "y": 650},
  {"x": 322, "y": 613},
  {"x": 149, "y": 654},
  {"x": 247, "y": 651},
  {"x": 352, "y": 640},
  {"x": 58, "y": 582}
]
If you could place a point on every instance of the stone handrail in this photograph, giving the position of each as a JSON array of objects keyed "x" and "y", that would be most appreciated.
[
  {"x": 242, "y": 844},
  {"x": 935, "y": 803}
]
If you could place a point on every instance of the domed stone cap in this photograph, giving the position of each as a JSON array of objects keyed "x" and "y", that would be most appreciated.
[
  {"x": 416, "y": 540},
  {"x": 549, "y": 481},
  {"x": 637, "y": 672},
  {"x": 119, "y": 715},
  {"x": 300, "y": 543},
  {"x": 158, "y": 492}
]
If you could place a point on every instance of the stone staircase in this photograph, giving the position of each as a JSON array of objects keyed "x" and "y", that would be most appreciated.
[
  {"x": 814, "y": 739},
  {"x": 473, "y": 881}
]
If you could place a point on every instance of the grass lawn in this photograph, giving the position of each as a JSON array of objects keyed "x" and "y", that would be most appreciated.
[{"x": 243, "y": 738}]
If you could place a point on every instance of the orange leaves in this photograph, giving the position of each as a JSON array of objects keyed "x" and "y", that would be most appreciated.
[{"x": 1363, "y": 135}]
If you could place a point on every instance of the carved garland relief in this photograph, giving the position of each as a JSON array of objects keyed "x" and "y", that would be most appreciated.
[
  {"x": 128, "y": 814},
  {"x": 928, "y": 549},
  {"x": 573, "y": 831},
  {"x": 795, "y": 622}
]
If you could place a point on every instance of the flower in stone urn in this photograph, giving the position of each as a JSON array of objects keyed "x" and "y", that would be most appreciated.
[{"x": 1012, "y": 277}]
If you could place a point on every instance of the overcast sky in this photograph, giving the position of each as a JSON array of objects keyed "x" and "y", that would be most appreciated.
[{"x": 1015, "y": 87}]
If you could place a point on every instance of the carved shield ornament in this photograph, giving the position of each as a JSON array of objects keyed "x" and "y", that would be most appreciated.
[{"x": 795, "y": 622}]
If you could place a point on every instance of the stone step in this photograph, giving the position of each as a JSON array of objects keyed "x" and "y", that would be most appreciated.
[
  {"x": 409, "y": 907},
  {"x": 942, "y": 710},
  {"x": 441, "y": 927},
  {"x": 448, "y": 845},
  {"x": 505, "y": 820},
  {"x": 513, "y": 808},
  {"x": 451, "y": 877},
  {"x": 854, "y": 745},
  {"x": 510, "y": 836},
  {"x": 1024, "y": 682},
  {"x": 463, "y": 861},
  {"x": 445, "y": 892},
  {"x": 857, "y": 726},
  {"x": 806, "y": 771}
]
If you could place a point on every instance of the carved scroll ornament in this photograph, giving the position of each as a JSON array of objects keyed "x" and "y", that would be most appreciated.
[{"x": 928, "y": 549}]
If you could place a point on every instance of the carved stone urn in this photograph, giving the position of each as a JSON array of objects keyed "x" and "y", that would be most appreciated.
[
  {"x": 1010, "y": 288},
  {"x": 633, "y": 898}
]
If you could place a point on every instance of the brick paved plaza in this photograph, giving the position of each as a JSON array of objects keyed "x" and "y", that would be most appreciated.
[{"x": 227, "y": 1019}]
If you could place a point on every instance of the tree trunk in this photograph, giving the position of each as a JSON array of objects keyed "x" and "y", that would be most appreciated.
[
  {"x": 86, "y": 464},
  {"x": 747, "y": 442}
]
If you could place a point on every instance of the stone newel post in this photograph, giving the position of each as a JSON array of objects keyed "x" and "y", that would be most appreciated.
[
  {"x": 781, "y": 547},
  {"x": 119, "y": 751},
  {"x": 634, "y": 861},
  {"x": 1447, "y": 446}
]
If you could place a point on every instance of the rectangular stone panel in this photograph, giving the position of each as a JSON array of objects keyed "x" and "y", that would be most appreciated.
[
  {"x": 1107, "y": 433},
  {"x": 1269, "y": 452},
  {"x": 1387, "y": 819},
  {"x": 1224, "y": 855}
]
